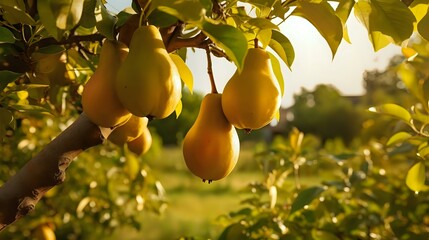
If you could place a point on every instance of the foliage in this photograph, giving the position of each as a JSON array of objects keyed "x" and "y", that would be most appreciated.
[
  {"x": 414, "y": 75},
  {"x": 107, "y": 187},
  {"x": 66, "y": 36},
  {"x": 360, "y": 196}
]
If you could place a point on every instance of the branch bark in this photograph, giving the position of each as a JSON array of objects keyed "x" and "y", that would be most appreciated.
[{"x": 19, "y": 195}]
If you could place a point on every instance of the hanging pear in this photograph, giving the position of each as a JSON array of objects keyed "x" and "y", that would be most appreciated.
[
  {"x": 148, "y": 83},
  {"x": 99, "y": 99},
  {"x": 252, "y": 97},
  {"x": 129, "y": 131},
  {"x": 211, "y": 147},
  {"x": 142, "y": 143}
]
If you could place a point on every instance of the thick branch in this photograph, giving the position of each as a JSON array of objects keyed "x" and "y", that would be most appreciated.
[{"x": 19, "y": 195}]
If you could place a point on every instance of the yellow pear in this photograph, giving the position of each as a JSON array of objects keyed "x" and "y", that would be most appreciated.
[
  {"x": 99, "y": 99},
  {"x": 142, "y": 143},
  {"x": 252, "y": 97},
  {"x": 148, "y": 82},
  {"x": 211, "y": 147},
  {"x": 128, "y": 131}
]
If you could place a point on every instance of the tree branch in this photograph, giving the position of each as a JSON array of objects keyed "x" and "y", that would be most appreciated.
[
  {"x": 20, "y": 194},
  {"x": 73, "y": 39}
]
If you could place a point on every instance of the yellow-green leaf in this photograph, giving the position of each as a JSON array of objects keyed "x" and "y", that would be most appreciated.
[
  {"x": 416, "y": 177},
  {"x": 6, "y": 36},
  {"x": 387, "y": 21},
  {"x": 184, "y": 71},
  {"x": 178, "y": 109},
  {"x": 277, "y": 72},
  {"x": 423, "y": 152},
  {"x": 423, "y": 27},
  {"x": 14, "y": 12},
  {"x": 393, "y": 110},
  {"x": 283, "y": 47},
  {"x": 323, "y": 17},
  {"x": 343, "y": 12},
  {"x": 59, "y": 15},
  {"x": 398, "y": 138},
  {"x": 419, "y": 8}
]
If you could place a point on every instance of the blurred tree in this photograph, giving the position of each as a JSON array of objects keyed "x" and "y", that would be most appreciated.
[{"x": 327, "y": 114}]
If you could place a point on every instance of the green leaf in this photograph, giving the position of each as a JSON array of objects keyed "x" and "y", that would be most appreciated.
[
  {"x": 14, "y": 13},
  {"x": 423, "y": 27},
  {"x": 416, "y": 177},
  {"x": 187, "y": 11},
  {"x": 277, "y": 72},
  {"x": 387, "y": 21},
  {"x": 7, "y": 77},
  {"x": 184, "y": 71},
  {"x": 53, "y": 49},
  {"x": 105, "y": 21},
  {"x": 398, "y": 138},
  {"x": 59, "y": 15},
  {"x": 305, "y": 197},
  {"x": 393, "y": 110},
  {"x": 6, "y": 36},
  {"x": 161, "y": 19},
  {"x": 88, "y": 17},
  {"x": 324, "y": 19},
  {"x": 283, "y": 47},
  {"x": 230, "y": 39}
]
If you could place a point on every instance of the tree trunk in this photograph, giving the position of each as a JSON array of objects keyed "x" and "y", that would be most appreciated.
[{"x": 19, "y": 195}]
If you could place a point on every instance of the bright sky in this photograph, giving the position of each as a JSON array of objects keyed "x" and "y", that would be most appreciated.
[{"x": 313, "y": 60}]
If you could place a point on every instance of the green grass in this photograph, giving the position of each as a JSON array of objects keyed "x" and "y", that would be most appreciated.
[{"x": 193, "y": 206}]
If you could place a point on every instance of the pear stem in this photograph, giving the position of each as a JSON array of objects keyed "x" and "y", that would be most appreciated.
[
  {"x": 210, "y": 70},
  {"x": 143, "y": 13},
  {"x": 256, "y": 42}
]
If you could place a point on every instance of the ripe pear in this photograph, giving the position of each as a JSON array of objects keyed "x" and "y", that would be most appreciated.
[
  {"x": 99, "y": 99},
  {"x": 142, "y": 143},
  {"x": 148, "y": 82},
  {"x": 252, "y": 97},
  {"x": 211, "y": 147},
  {"x": 129, "y": 131}
]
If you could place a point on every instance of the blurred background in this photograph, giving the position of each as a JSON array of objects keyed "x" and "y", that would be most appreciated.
[{"x": 326, "y": 170}]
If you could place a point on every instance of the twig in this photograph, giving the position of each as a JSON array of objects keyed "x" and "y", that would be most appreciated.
[{"x": 210, "y": 70}]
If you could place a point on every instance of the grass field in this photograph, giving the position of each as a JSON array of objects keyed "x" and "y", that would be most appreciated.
[{"x": 193, "y": 206}]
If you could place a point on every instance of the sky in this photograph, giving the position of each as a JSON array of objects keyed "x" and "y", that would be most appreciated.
[{"x": 313, "y": 62}]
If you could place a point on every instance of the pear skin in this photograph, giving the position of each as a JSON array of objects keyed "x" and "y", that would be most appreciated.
[
  {"x": 211, "y": 147},
  {"x": 148, "y": 82},
  {"x": 99, "y": 99},
  {"x": 142, "y": 143},
  {"x": 252, "y": 97},
  {"x": 129, "y": 131}
]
